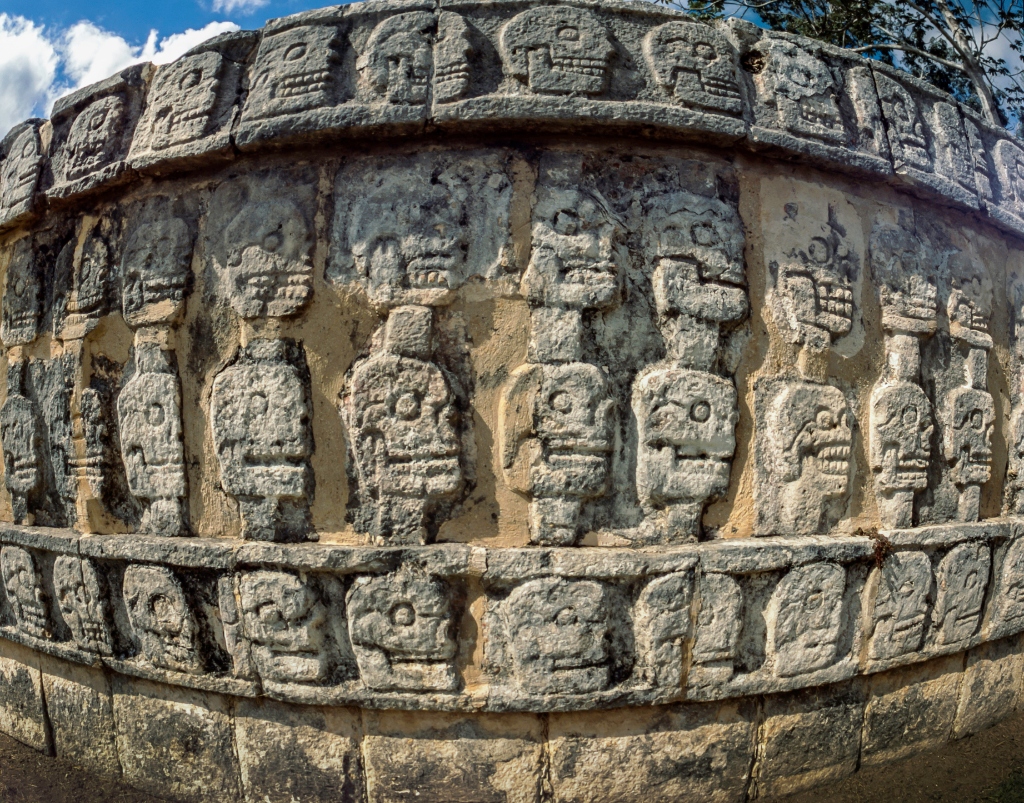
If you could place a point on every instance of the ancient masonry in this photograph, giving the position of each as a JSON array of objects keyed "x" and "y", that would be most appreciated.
[{"x": 510, "y": 402}]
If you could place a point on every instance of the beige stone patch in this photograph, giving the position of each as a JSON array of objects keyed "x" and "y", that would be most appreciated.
[
  {"x": 22, "y": 712},
  {"x": 80, "y": 706},
  {"x": 991, "y": 687}
]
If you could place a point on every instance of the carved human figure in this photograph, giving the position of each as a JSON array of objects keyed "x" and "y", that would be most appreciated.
[
  {"x": 902, "y": 586},
  {"x": 804, "y": 618},
  {"x": 560, "y": 635},
  {"x": 19, "y": 172},
  {"x": 154, "y": 269},
  {"x": 686, "y": 422},
  {"x": 268, "y": 270},
  {"x": 294, "y": 72},
  {"x": 180, "y": 101},
  {"x": 398, "y": 58},
  {"x": 286, "y": 623},
  {"x": 1009, "y": 601},
  {"x": 94, "y": 138},
  {"x": 161, "y": 618},
  {"x": 149, "y": 420},
  {"x": 961, "y": 580},
  {"x": 802, "y": 90},
  {"x": 22, "y": 437},
  {"x": 907, "y": 135},
  {"x": 558, "y": 50},
  {"x": 408, "y": 243},
  {"x": 452, "y": 53},
  {"x": 19, "y": 322},
  {"x": 696, "y": 65},
  {"x": 719, "y": 624},
  {"x": 24, "y": 586},
  {"x": 260, "y": 418},
  {"x": 83, "y": 604},
  {"x": 967, "y": 444},
  {"x": 808, "y": 427},
  {"x": 901, "y": 427},
  {"x": 663, "y": 623},
  {"x": 557, "y": 439},
  {"x": 402, "y": 628},
  {"x": 578, "y": 259}
]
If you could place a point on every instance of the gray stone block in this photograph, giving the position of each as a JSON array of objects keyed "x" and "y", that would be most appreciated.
[
  {"x": 79, "y": 704},
  {"x": 22, "y": 710}
]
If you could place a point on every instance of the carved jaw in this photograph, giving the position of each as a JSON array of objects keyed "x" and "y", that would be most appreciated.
[
  {"x": 829, "y": 465},
  {"x": 428, "y": 478},
  {"x": 682, "y": 476},
  {"x": 271, "y": 284}
]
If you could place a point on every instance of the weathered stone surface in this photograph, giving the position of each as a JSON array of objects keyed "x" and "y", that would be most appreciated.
[
  {"x": 22, "y": 153},
  {"x": 163, "y": 622},
  {"x": 663, "y": 622},
  {"x": 804, "y": 618},
  {"x": 21, "y": 434},
  {"x": 991, "y": 686},
  {"x": 155, "y": 270},
  {"x": 696, "y": 65},
  {"x": 901, "y": 589},
  {"x": 22, "y": 708},
  {"x": 961, "y": 579},
  {"x": 79, "y": 707},
  {"x": 458, "y": 758},
  {"x": 81, "y": 595},
  {"x": 21, "y": 308},
  {"x": 289, "y": 753},
  {"x": 26, "y": 596}
]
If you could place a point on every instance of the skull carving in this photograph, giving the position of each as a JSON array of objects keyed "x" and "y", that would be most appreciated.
[
  {"x": 561, "y": 635},
  {"x": 452, "y": 52},
  {"x": 181, "y": 100},
  {"x": 1009, "y": 161},
  {"x": 87, "y": 301},
  {"x": 161, "y": 618},
  {"x": 287, "y": 625},
  {"x": 661, "y": 621},
  {"x": 901, "y": 434},
  {"x": 25, "y": 594},
  {"x": 294, "y": 72},
  {"x": 903, "y": 585},
  {"x": 969, "y": 310},
  {"x": 1010, "y": 599},
  {"x": 399, "y": 58},
  {"x": 961, "y": 580},
  {"x": 21, "y": 308},
  {"x": 719, "y": 621},
  {"x": 907, "y": 134},
  {"x": 155, "y": 268},
  {"x": 19, "y": 172},
  {"x": 809, "y": 453},
  {"x": 83, "y": 604},
  {"x": 260, "y": 417},
  {"x": 686, "y": 423},
  {"x": 268, "y": 271},
  {"x": 696, "y": 65},
  {"x": 21, "y": 434},
  {"x": 409, "y": 244},
  {"x": 804, "y": 617},
  {"x": 910, "y": 305},
  {"x": 94, "y": 139},
  {"x": 578, "y": 257},
  {"x": 558, "y": 50},
  {"x": 149, "y": 417},
  {"x": 967, "y": 439},
  {"x": 402, "y": 630},
  {"x": 803, "y": 90}
]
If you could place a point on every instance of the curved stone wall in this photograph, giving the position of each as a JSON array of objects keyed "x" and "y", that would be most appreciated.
[{"x": 394, "y": 396}]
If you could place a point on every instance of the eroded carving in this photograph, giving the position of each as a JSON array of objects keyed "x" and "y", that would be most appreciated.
[
  {"x": 663, "y": 623},
  {"x": 19, "y": 173},
  {"x": 24, "y": 586},
  {"x": 81, "y": 598},
  {"x": 908, "y": 137},
  {"x": 181, "y": 101},
  {"x": 294, "y": 72},
  {"x": 155, "y": 269},
  {"x": 398, "y": 58},
  {"x": 903, "y": 586},
  {"x": 22, "y": 437},
  {"x": 452, "y": 53},
  {"x": 804, "y": 619},
  {"x": 162, "y": 619},
  {"x": 95, "y": 137},
  {"x": 967, "y": 444},
  {"x": 696, "y": 65},
  {"x": 719, "y": 624},
  {"x": 1009, "y": 164},
  {"x": 961, "y": 580},
  {"x": 21, "y": 308},
  {"x": 802, "y": 90},
  {"x": 1009, "y": 601},
  {"x": 901, "y": 435}
]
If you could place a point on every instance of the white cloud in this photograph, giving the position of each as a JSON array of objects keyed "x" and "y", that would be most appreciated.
[
  {"x": 243, "y": 6},
  {"x": 28, "y": 67}
]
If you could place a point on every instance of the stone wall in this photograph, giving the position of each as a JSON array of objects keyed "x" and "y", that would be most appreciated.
[{"x": 508, "y": 402}]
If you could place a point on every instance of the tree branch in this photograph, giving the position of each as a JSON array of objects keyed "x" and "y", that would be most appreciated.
[{"x": 910, "y": 49}]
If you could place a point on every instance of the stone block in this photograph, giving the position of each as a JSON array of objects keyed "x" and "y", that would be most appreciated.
[
  {"x": 673, "y": 754},
  {"x": 80, "y": 707},
  {"x": 453, "y": 758},
  {"x": 289, "y": 753},
  {"x": 808, "y": 739},
  {"x": 22, "y": 710},
  {"x": 175, "y": 742},
  {"x": 991, "y": 686},
  {"x": 910, "y": 711}
]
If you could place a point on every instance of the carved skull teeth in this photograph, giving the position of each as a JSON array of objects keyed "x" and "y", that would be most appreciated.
[
  {"x": 812, "y": 112},
  {"x": 454, "y": 72},
  {"x": 303, "y": 84},
  {"x": 721, "y": 89},
  {"x": 581, "y": 66}
]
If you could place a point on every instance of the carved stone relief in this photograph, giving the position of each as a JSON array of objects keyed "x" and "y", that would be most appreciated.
[
  {"x": 1009, "y": 165},
  {"x": 696, "y": 65},
  {"x": 908, "y": 137},
  {"x": 161, "y": 618},
  {"x": 294, "y": 72},
  {"x": 399, "y": 58},
  {"x": 967, "y": 443},
  {"x": 558, "y": 50},
  {"x": 903, "y": 587},
  {"x": 719, "y": 625},
  {"x": 21, "y": 434},
  {"x": 663, "y": 625},
  {"x": 95, "y": 138},
  {"x": 83, "y": 279},
  {"x": 961, "y": 580},
  {"x": 24, "y": 586},
  {"x": 452, "y": 54},
  {"x": 19, "y": 322},
  {"x": 20, "y": 170},
  {"x": 402, "y": 628},
  {"x": 181, "y": 101},
  {"x": 1009, "y": 599},
  {"x": 81, "y": 598},
  {"x": 804, "y": 619},
  {"x": 149, "y": 421},
  {"x": 901, "y": 433},
  {"x": 155, "y": 270},
  {"x": 260, "y": 418}
]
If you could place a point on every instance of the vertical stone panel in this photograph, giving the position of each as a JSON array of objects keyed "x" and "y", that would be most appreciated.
[
  {"x": 22, "y": 711},
  {"x": 80, "y": 707},
  {"x": 991, "y": 687}
]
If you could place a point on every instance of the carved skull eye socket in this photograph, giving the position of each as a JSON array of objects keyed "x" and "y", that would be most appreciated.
[
  {"x": 566, "y": 222},
  {"x": 566, "y": 617},
  {"x": 801, "y": 76},
  {"x": 191, "y": 79},
  {"x": 407, "y": 407},
  {"x": 977, "y": 420},
  {"x": 561, "y": 402},
  {"x": 257, "y": 404},
  {"x": 700, "y": 411},
  {"x": 272, "y": 242},
  {"x": 270, "y": 614},
  {"x": 97, "y": 120},
  {"x": 568, "y": 33},
  {"x": 19, "y": 286},
  {"x": 295, "y": 52},
  {"x": 163, "y": 609},
  {"x": 910, "y": 416},
  {"x": 704, "y": 233},
  {"x": 402, "y": 615},
  {"x": 155, "y": 414},
  {"x": 29, "y": 149},
  {"x": 825, "y": 420},
  {"x": 818, "y": 250},
  {"x": 704, "y": 50},
  {"x": 814, "y": 601}
]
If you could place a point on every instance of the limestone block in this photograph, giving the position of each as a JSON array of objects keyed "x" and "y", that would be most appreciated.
[
  {"x": 82, "y": 598},
  {"x": 448, "y": 757},
  {"x": 991, "y": 686},
  {"x": 808, "y": 740},
  {"x": 1006, "y": 611},
  {"x": 21, "y": 432},
  {"x": 719, "y": 626},
  {"x": 83, "y": 281},
  {"x": 79, "y": 704},
  {"x": 804, "y": 618},
  {"x": 22, "y": 157},
  {"x": 26, "y": 597},
  {"x": 1008, "y": 158},
  {"x": 901, "y": 590},
  {"x": 155, "y": 267},
  {"x": 22, "y": 707},
  {"x": 671, "y": 754},
  {"x": 289, "y": 753},
  {"x": 22, "y": 304},
  {"x": 177, "y": 742},
  {"x": 911, "y": 710},
  {"x": 165, "y": 626},
  {"x": 961, "y": 579},
  {"x": 92, "y": 132}
]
